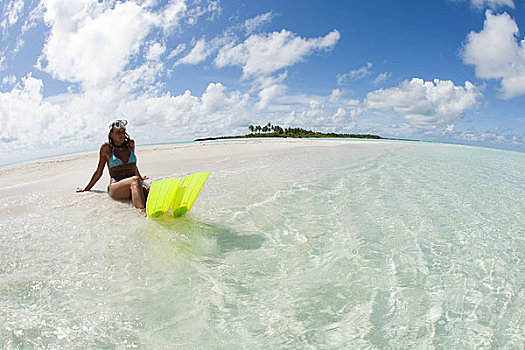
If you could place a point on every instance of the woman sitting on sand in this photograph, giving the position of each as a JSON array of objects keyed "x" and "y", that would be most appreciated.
[{"x": 118, "y": 154}]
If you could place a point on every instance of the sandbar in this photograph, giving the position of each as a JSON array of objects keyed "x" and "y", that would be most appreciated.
[{"x": 65, "y": 174}]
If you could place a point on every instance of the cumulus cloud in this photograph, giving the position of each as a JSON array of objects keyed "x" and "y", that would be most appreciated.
[
  {"x": 265, "y": 81},
  {"x": 426, "y": 104},
  {"x": 496, "y": 54},
  {"x": 187, "y": 116},
  {"x": 268, "y": 95},
  {"x": 172, "y": 14},
  {"x": 90, "y": 43},
  {"x": 142, "y": 79},
  {"x": 336, "y": 95},
  {"x": 74, "y": 119},
  {"x": 8, "y": 80},
  {"x": 267, "y": 53},
  {"x": 495, "y": 136},
  {"x": 155, "y": 51},
  {"x": 320, "y": 115},
  {"x": 26, "y": 99},
  {"x": 113, "y": 54}
]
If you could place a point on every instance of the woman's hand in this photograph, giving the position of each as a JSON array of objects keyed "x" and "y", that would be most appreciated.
[{"x": 144, "y": 177}]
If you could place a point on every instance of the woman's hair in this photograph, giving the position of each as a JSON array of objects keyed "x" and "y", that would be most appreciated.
[{"x": 126, "y": 139}]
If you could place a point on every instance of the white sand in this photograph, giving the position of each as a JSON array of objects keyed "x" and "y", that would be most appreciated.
[{"x": 65, "y": 174}]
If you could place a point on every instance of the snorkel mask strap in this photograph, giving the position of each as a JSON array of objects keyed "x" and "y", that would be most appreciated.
[{"x": 118, "y": 124}]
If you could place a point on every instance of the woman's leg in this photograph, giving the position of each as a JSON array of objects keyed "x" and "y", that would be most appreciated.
[{"x": 129, "y": 188}]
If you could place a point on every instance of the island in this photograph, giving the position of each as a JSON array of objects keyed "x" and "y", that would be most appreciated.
[{"x": 270, "y": 130}]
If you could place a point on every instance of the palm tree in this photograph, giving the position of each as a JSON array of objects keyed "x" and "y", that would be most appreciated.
[{"x": 252, "y": 128}]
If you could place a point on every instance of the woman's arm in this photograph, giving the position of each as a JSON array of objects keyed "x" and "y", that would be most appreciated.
[
  {"x": 137, "y": 172},
  {"x": 102, "y": 160}
]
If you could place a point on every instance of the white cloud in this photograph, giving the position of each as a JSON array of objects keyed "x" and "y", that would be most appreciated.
[
  {"x": 495, "y": 136},
  {"x": 142, "y": 78},
  {"x": 354, "y": 75},
  {"x": 211, "y": 7},
  {"x": 11, "y": 13},
  {"x": 200, "y": 51},
  {"x": 89, "y": 43},
  {"x": 268, "y": 95},
  {"x": 494, "y": 4},
  {"x": 336, "y": 95},
  {"x": 491, "y": 4},
  {"x": 266, "y": 54},
  {"x": 319, "y": 116},
  {"x": 34, "y": 16},
  {"x": 26, "y": 99},
  {"x": 215, "y": 112},
  {"x": 177, "y": 51},
  {"x": 426, "y": 104},
  {"x": 93, "y": 43},
  {"x": 252, "y": 24},
  {"x": 155, "y": 51},
  {"x": 214, "y": 99},
  {"x": 172, "y": 14},
  {"x": 3, "y": 62},
  {"x": 265, "y": 81},
  {"x": 496, "y": 54},
  {"x": 73, "y": 120},
  {"x": 340, "y": 116},
  {"x": 351, "y": 102},
  {"x": 108, "y": 55},
  {"x": 81, "y": 118},
  {"x": 106, "y": 52},
  {"x": 9, "y": 80},
  {"x": 381, "y": 78}
]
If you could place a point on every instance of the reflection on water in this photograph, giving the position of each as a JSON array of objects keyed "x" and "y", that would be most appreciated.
[{"x": 394, "y": 246}]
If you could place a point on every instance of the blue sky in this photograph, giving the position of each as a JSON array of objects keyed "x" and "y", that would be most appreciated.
[{"x": 446, "y": 71}]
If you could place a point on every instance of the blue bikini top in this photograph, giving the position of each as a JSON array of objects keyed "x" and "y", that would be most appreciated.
[{"x": 114, "y": 161}]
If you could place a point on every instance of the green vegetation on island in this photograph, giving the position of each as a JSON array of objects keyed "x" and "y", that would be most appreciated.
[{"x": 270, "y": 130}]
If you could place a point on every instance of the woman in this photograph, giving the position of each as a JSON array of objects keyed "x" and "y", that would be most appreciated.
[{"x": 119, "y": 154}]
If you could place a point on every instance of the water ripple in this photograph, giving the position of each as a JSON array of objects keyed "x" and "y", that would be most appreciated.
[{"x": 398, "y": 246}]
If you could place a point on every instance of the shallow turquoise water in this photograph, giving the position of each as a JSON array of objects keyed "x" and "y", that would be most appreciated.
[{"x": 391, "y": 246}]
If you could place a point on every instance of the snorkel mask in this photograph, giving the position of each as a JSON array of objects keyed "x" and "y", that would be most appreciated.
[{"x": 118, "y": 124}]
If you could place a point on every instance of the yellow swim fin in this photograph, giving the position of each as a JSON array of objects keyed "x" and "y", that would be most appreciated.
[
  {"x": 188, "y": 192},
  {"x": 161, "y": 196}
]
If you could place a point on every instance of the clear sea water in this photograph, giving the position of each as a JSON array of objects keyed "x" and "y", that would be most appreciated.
[{"x": 402, "y": 245}]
